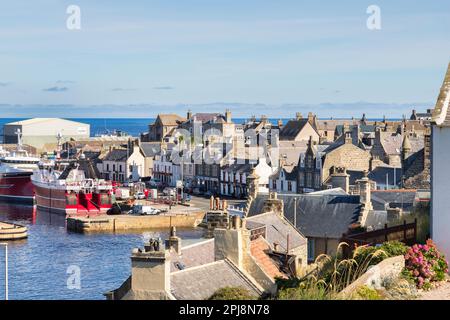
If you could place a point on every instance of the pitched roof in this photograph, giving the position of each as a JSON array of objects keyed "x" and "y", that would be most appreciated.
[
  {"x": 206, "y": 117},
  {"x": 117, "y": 155},
  {"x": 292, "y": 129},
  {"x": 150, "y": 149},
  {"x": 317, "y": 215},
  {"x": 382, "y": 173},
  {"x": 441, "y": 113},
  {"x": 170, "y": 119},
  {"x": 277, "y": 229},
  {"x": 404, "y": 199},
  {"x": 200, "y": 283},
  {"x": 259, "y": 249},
  {"x": 392, "y": 143},
  {"x": 193, "y": 255}
]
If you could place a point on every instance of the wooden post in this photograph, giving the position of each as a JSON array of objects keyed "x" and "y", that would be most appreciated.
[
  {"x": 415, "y": 229},
  {"x": 404, "y": 231}
]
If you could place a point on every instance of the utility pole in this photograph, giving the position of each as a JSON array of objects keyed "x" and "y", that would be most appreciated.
[{"x": 6, "y": 269}]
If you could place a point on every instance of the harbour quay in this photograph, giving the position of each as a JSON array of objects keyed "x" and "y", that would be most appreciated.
[{"x": 176, "y": 217}]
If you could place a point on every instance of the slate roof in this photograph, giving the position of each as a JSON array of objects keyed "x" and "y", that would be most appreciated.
[
  {"x": 363, "y": 128},
  {"x": 292, "y": 129},
  {"x": 317, "y": 215},
  {"x": 395, "y": 198},
  {"x": 193, "y": 255},
  {"x": 199, "y": 283},
  {"x": 354, "y": 175},
  {"x": 207, "y": 117},
  {"x": 277, "y": 229},
  {"x": 235, "y": 167},
  {"x": 379, "y": 175},
  {"x": 376, "y": 219},
  {"x": 170, "y": 119},
  {"x": 392, "y": 143},
  {"x": 290, "y": 173},
  {"x": 290, "y": 151},
  {"x": 150, "y": 149},
  {"x": 117, "y": 155}
]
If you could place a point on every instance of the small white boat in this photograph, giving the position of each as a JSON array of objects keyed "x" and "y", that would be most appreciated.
[{"x": 12, "y": 231}]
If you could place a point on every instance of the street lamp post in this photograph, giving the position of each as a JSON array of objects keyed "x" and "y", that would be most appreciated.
[{"x": 6, "y": 269}]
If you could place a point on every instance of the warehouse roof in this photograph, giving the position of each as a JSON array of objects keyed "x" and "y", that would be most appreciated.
[{"x": 40, "y": 120}]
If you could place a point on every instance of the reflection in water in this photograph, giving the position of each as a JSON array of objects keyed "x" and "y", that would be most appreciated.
[{"x": 38, "y": 265}]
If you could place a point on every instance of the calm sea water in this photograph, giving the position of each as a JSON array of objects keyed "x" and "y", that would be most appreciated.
[{"x": 38, "y": 265}]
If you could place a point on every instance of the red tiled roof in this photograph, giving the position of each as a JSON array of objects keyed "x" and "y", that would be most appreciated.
[{"x": 258, "y": 249}]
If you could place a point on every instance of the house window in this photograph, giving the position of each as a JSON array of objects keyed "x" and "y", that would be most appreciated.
[
  {"x": 120, "y": 167},
  {"x": 317, "y": 181},
  {"x": 309, "y": 179},
  {"x": 302, "y": 160},
  {"x": 311, "y": 251},
  {"x": 309, "y": 161},
  {"x": 318, "y": 162},
  {"x": 302, "y": 179},
  {"x": 107, "y": 167},
  {"x": 289, "y": 186},
  {"x": 114, "y": 167},
  {"x": 274, "y": 184}
]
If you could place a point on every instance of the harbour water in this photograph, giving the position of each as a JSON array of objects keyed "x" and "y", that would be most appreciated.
[{"x": 39, "y": 265}]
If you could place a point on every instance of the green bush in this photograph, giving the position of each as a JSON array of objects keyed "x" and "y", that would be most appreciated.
[
  {"x": 367, "y": 293},
  {"x": 232, "y": 293}
]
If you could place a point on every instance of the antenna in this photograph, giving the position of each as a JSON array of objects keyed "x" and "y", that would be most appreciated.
[
  {"x": 18, "y": 132},
  {"x": 58, "y": 149}
]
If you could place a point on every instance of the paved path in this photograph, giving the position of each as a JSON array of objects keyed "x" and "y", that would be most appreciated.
[{"x": 440, "y": 293}]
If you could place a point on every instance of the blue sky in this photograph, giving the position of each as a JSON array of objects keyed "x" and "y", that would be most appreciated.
[{"x": 199, "y": 52}]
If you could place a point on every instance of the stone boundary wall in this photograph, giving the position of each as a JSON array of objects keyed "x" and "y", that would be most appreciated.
[{"x": 374, "y": 276}]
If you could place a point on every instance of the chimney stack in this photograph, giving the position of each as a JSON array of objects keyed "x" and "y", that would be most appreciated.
[
  {"x": 298, "y": 116},
  {"x": 150, "y": 270},
  {"x": 365, "y": 191},
  {"x": 174, "y": 242},
  {"x": 228, "y": 116},
  {"x": 189, "y": 115}
]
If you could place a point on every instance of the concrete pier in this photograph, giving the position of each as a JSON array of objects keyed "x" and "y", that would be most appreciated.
[{"x": 127, "y": 222}]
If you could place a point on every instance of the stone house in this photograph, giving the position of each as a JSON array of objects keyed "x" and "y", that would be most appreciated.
[
  {"x": 345, "y": 155},
  {"x": 309, "y": 168},
  {"x": 163, "y": 127},
  {"x": 284, "y": 181},
  {"x": 233, "y": 177},
  {"x": 324, "y": 217},
  {"x": 123, "y": 164},
  {"x": 163, "y": 169},
  {"x": 299, "y": 129},
  {"x": 247, "y": 254},
  {"x": 440, "y": 173},
  {"x": 150, "y": 150}
]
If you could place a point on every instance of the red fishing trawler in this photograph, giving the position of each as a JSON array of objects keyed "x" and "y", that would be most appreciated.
[
  {"x": 76, "y": 190},
  {"x": 16, "y": 169}
]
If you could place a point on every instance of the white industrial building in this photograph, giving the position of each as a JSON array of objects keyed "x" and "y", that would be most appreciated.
[
  {"x": 440, "y": 170},
  {"x": 42, "y": 133}
]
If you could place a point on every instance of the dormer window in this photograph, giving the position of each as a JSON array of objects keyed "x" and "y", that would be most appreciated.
[{"x": 302, "y": 160}]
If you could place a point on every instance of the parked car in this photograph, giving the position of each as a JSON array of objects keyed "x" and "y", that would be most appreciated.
[
  {"x": 139, "y": 195},
  {"x": 169, "y": 191},
  {"x": 144, "y": 210}
]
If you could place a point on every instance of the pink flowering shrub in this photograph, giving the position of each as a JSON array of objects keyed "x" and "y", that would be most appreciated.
[{"x": 425, "y": 264}]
